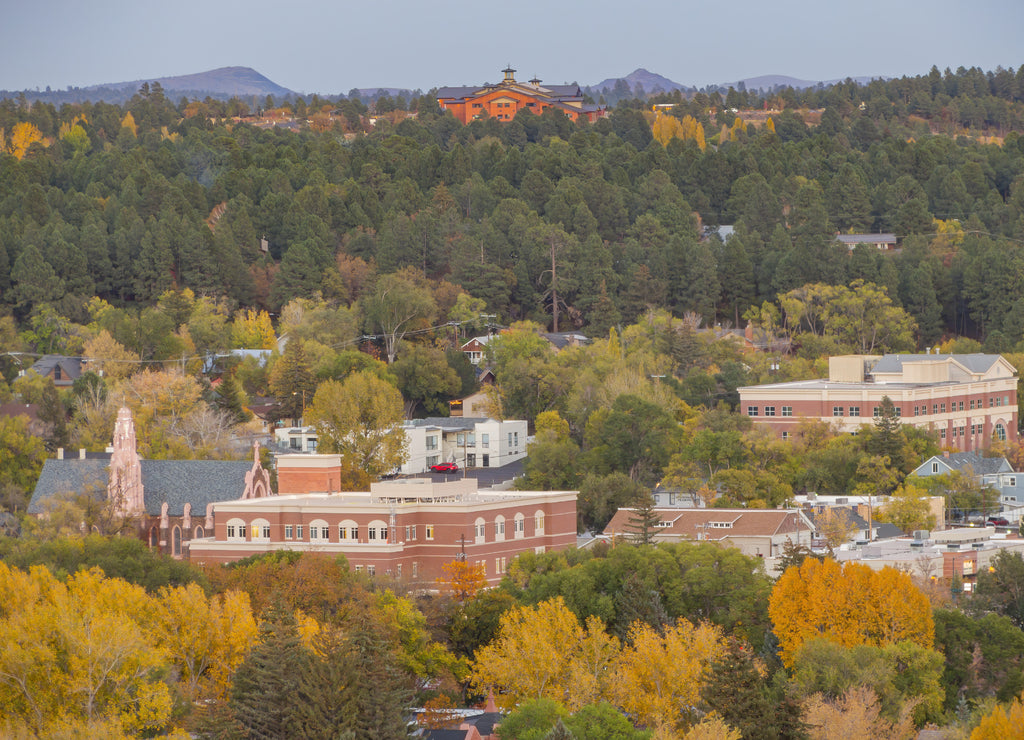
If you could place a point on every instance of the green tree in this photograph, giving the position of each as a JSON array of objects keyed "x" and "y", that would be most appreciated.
[
  {"x": 643, "y": 519},
  {"x": 360, "y": 418},
  {"x": 425, "y": 379},
  {"x": 397, "y": 306},
  {"x": 292, "y": 381}
]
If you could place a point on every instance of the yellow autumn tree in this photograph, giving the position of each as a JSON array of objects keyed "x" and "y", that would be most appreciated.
[
  {"x": 544, "y": 652},
  {"x": 849, "y": 604},
  {"x": 206, "y": 638},
  {"x": 106, "y": 356},
  {"x": 75, "y": 657},
  {"x": 857, "y": 714},
  {"x": 658, "y": 677},
  {"x": 1004, "y": 723},
  {"x": 23, "y": 136},
  {"x": 665, "y": 128},
  {"x": 128, "y": 122},
  {"x": 769, "y": 125},
  {"x": 253, "y": 330}
]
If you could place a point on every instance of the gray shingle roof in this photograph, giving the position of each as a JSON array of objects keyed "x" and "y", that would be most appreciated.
[
  {"x": 61, "y": 477},
  {"x": 980, "y": 465},
  {"x": 198, "y": 482},
  {"x": 70, "y": 367}
]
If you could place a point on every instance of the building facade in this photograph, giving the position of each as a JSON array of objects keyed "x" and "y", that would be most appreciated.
[
  {"x": 406, "y": 529},
  {"x": 969, "y": 401},
  {"x": 471, "y": 442},
  {"x": 169, "y": 502},
  {"x": 503, "y": 100}
]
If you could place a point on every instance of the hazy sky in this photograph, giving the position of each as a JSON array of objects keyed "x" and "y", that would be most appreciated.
[{"x": 331, "y": 47}]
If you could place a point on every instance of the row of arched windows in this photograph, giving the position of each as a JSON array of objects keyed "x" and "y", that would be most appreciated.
[{"x": 518, "y": 527}]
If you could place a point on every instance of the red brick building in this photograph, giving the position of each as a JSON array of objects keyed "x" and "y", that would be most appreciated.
[
  {"x": 407, "y": 529},
  {"x": 503, "y": 100},
  {"x": 969, "y": 401}
]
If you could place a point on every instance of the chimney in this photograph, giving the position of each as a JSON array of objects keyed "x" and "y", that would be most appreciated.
[
  {"x": 60, "y": 453},
  {"x": 81, "y": 453}
]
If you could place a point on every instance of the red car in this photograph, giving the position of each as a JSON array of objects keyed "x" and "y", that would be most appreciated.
[{"x": 445, "y": 467}]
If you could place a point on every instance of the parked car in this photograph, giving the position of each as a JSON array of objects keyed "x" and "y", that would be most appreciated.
[
  {"x": 445, "y": 467},
  {"x": 999, "y": 521}
]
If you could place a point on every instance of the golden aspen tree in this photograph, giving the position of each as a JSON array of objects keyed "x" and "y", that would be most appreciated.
[
  {"x": 106, "y": 356},
  {"x": 665, "y": 128},
  {"x": 1004, "y": 723},
  {"x": 23, "y": 136},
  {"x": 658, "y": 677},
  {"x": 128, "y": 122},
  {"x": 207, "y": 638},
  {"x": 253, "y": 330},
  {"x": 849, "y": 604},
  {"x": 542, "y": 652}
]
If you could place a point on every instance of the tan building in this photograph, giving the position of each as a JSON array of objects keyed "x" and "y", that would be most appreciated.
[
  {"x": 968, "y": 400},
  {"x": 758, "y": 532},
  {"x": 407, "y": 529}
]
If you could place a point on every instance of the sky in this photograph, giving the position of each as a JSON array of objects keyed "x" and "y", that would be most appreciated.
[{"x": 330, "y": 47}]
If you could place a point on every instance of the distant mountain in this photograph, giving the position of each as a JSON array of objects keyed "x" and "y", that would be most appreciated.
[
  {"x": 771, "y": 82},
  {"x": 240, "y": 81},
  {"x": 650, "y": 81},
  {"x": 223, "y": 83}
]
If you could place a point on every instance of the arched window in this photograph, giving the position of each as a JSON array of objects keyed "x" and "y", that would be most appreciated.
[
  {"x": 480, "y": 528},
  {"x": 520, "y": 530},
  {"x": 319, "y": 531},
  {"x": 377, "y": 531},
  {"x": 999, "y": 432},
  {"x": 499, "y": 528},
  {"x": 176, "y": 540},
  {"x": 199, "y": 533},
  {"x": 259, "y": 530},
  {"x": 348, "y": 530},
  {"x": 236, "y": 529},
  {"x": 538, "y": 522},
  {"x": 154, "y": 536}
]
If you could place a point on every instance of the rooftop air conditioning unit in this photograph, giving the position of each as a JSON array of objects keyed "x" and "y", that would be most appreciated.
[
  {"x": 918, "y": 544},
  {"x": 921, "y": 534},
  {"x": 842, "y": 500}
]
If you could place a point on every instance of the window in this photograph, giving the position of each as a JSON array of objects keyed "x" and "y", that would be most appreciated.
[
  {"x": 935, "y": 409},
  {"x": 935, "y": 467},
  {"x": 432, "y": 442},
  {"x": 785, "y": 435},
  {"x": 961, "y": 405},
  {"x": 972, "y": 404},
  {"x": 383, "y": 533},
  {"x": 318, "y": 530},
  {"x": 325, "y": 532},
  {"x": 479, "y": 528},
  {"x": 413, "y": 528},
  {"x": 231, "y": 531},
  {"x": 515, "y": 437},
  {"x": 769, "y": 411},
  {"x": 876, "y": 412},
  {"x": 520, "y": 526},
  {"x": 288, "y": 529},
  {"x": 942, "y": 434},
  {"x": 485, "y": 462},
  {"x": 415, "y": 569},
  {"x": 371, "y": 570},
  {"x": 372, "y": 533},
  {"x": 942, "y": 407},
  {"x": 855, "y": 411},
  {"x": 916, "y": 409},
  {"x": 1013, "y": 481},
  {"x": 342, "y": 532},
  {"x": 460, "y": 439},
  {"x": 471, "y": 460},
  {"x": 430, "y": 532},
  {"x": 899, "y": 411},
  {"x": 407, "y": 533},
  {"x": 999, "y": 432},
  {"x": 751, "y": 410},
  {"x": 991, "y": 402},
  {"x": 837, "y": 411},
  {"x": 432, "y": 460},
  {"x": 310, "y": 445},
  {"x": 538, "y": 522},
  {"x": 485, "y": 440},
  {"x": 398, "y": 570},
  {"x": 1006, "y": 400},
  {"x": 787, "y": 410},
  {"x": 298, "y": 531},
  {"x": 510, "y": 439},
  {"x": 200, "y": 532},
  {"x": 499, "y": 528}
]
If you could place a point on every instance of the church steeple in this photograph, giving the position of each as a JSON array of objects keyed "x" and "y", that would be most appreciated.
[{"x": 125, "y": 486}]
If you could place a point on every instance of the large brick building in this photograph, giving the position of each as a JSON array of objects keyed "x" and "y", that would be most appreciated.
[
  {"x": 503, "y": 100},
  {"x": 407, "y": 529},
  {"x": 968, "y": 400}
]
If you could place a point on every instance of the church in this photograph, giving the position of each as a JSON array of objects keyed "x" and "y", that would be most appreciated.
[{"x": 170, "y": 501}]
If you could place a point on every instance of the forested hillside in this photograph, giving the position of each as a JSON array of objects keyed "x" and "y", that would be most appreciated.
[{"x": 96, "y": 200}]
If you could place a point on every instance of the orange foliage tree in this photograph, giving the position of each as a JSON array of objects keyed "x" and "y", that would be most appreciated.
[
  {"x": 463, "y": 579},
  {"x": 850, "y": 604}
]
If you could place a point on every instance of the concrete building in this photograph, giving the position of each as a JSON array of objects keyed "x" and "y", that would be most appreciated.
[
  {"x": 472, "y": 442},
  {"x": 407, "y": 529},
  {"x": 969, "y": 401}
]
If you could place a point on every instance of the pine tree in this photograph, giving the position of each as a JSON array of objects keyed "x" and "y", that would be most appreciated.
[
  {"x": 379, "y": 692},
  {"x": 263, "y": 696},
  {"x": 643, "y": 519}
]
